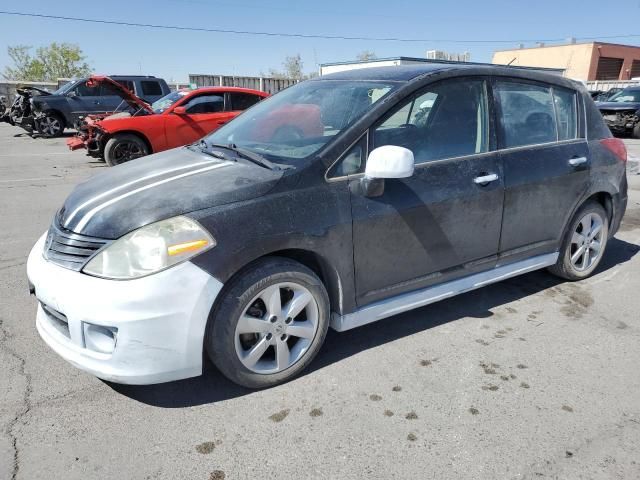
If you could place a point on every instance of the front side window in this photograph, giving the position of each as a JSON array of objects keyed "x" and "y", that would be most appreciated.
[
  {"x": 297, "y": 122},
  {"x": 205, "y": 104},
  {"x": 449, "y": 119},
  {"x": 527, "y": 114}
]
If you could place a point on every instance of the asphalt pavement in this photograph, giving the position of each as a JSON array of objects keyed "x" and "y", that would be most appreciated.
[{"x": 531, "y": 378}]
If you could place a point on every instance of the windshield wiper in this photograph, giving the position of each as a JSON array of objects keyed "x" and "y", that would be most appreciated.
[
  {"x": 204, "y": 147},
  {"x": 249, "y": 155}
]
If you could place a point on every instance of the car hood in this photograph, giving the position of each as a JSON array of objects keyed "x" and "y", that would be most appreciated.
[
  {"x": 157, "y": 187},
  {"x": 618, "y": 105},
  {"x": 132, "y": 100}
]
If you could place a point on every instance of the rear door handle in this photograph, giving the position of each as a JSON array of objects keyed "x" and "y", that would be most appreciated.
[
  {"x": 483, "y": 180},
  {"x": 574, "y": 162}
]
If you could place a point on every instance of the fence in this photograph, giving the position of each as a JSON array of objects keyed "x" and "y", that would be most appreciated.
[
  {"x": 605, "y": 85},
  {"x": 265, "y": 84}
]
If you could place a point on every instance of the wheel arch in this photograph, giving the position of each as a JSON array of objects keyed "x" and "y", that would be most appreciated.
[
  {"x": 59, "y": 114},
  {"x": 109, "y": 135},
  {"x": 328, "y": 275}
]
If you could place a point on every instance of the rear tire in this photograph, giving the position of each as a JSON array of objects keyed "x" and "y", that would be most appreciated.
[
  {"x": 584, "y": 243},
  {"x": 270, "y": 323},
  {"x": 124, "y": 147}
]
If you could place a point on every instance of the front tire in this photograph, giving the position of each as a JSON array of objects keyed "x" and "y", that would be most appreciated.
[
  {"x": 584, "y": 243},
  {"x": 636, "y": 131},
  {"x": 51, "y": 125},
  {"x": 270, "y": 323},
  {"x": 124, "y": 147}
]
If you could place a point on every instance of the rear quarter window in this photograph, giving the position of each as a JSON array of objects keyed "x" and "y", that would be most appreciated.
[
  {"x": 242, "y": 101},
  {"x": 150, "y": 87}
]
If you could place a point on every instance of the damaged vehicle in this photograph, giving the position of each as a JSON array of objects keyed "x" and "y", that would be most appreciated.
[
  {"x": 621, "y": 112},
  {"x": 68, "y": 106},
  {"x": 385, "y": 190},
  {"x": 3, "y": 107},
  {"x": 20, "y": 112},
  {"x": 179, "y": 118}
]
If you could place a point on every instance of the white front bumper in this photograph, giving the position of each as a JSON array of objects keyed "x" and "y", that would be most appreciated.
[{"x": 160, "y": 319}]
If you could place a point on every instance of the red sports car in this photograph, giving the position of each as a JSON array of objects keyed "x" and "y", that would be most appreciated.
[{"x": 180, "y": 118}]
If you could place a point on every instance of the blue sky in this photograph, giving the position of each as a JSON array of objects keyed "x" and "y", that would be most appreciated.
[{"x": 174, "y": 54}]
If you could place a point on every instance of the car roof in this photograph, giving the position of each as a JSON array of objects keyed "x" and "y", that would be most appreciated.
[
  {"x": 407, "y": 73},
  {"x": 224, "y": 89}
]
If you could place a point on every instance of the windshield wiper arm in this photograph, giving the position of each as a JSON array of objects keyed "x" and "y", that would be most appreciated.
[
  {"x": 249, "y": 155},
  {"x": 205, "y": 148}
]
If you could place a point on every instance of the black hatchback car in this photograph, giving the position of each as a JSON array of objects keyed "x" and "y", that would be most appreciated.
[{"x": 381, "y": 190}]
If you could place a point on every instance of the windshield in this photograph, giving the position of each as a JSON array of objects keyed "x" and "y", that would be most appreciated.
[
  {"x": 300, "y": 120},
  {"x": 626, "y": 96},
  {"x": 65, "y": 88},
  {"x": 165, "y": 102}
]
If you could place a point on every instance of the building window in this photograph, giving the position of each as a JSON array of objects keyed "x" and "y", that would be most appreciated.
[{"x": 609, "y": 68}]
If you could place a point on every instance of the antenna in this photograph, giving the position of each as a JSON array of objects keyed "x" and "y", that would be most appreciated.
[{"x": 512, "y": 60}]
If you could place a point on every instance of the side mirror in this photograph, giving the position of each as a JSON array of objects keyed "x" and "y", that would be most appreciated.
[
  {"x": 388, "y": 161},
  {"x": 180, "y": 111},
  {"x": 72, "y": 94}
]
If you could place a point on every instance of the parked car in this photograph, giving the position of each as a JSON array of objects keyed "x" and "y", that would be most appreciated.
[
  {"x": 177, "y": 119},
  {"x": 604, "y": 95},
  {"x": 3, "y": 107},
  {"x": 246, "y": 247},
  {"x": 51, "y": 113},
  {"x": 621, "y": 112}
]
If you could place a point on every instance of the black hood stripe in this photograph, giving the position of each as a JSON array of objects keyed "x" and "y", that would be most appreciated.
[
  {"x": 106, "y": 193},
  {"x": 87, "y": 217}
]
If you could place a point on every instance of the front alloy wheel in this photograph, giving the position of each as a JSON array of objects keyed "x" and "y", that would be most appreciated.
[
  {"x": 50, "y": 125},
  {"x": 269, "y": 323},
  {"x": 277, "y": 328}
]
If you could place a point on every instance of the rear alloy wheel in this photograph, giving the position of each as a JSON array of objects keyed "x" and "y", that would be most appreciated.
[
  {"x": 51, "y": 125},
  {"x": 124, "y": 147},
  {"x": 271, "y": 322},
  {"x": 584, "y": 244}
]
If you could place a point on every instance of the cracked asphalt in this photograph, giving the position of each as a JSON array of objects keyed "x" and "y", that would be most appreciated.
[{"x": 530, "y": 378}]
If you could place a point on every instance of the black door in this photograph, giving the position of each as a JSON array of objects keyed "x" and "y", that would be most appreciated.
[
  {"x": 546, "y": 165},
  {"x": 444, "y": 221}
]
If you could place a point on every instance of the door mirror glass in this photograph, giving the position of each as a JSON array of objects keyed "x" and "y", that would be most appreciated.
[
  {"x": 180, "y": 111},
  {"x": 72, "y": 94},
  {"x": 389, "y": 161}
]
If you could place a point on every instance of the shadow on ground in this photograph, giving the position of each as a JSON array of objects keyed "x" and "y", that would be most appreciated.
[{"x": 213, "y": 387}]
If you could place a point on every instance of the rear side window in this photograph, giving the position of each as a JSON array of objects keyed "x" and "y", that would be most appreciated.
[
  {"x": 151, "y": 88},
  {"x": 242, "y": 101},
  {"x": 527, "y": 114},
  {"x": 566, "y": 113},
  {"x": 205, "y": 104},
  {"x": 449, "y": 119}
]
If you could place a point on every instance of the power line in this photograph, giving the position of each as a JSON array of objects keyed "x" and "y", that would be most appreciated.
[{"x": 294, "y": 35}]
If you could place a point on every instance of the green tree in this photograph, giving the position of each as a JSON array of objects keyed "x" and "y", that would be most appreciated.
[
  {"x": 58, "y": 60},
  {"x": 293, "y": 68},
  {"x": 366, "y": 56}
]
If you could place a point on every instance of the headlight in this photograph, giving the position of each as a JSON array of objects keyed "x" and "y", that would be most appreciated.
[{"x": 150, "y": 249}]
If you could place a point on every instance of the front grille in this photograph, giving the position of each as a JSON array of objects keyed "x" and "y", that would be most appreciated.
[{"x": 70, "y": 250}]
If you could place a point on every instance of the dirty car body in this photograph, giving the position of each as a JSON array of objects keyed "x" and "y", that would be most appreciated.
[
  {"x": 421, "y": 183},
  {"x": 175, "y": 120}
]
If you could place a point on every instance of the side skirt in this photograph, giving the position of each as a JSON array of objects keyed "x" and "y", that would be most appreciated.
[{"x": 409, "y": 301}]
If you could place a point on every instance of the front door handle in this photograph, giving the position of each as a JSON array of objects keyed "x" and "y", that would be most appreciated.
[
  {"x": 574, "y": 162},
  {"x": 485, "y": 179}
]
